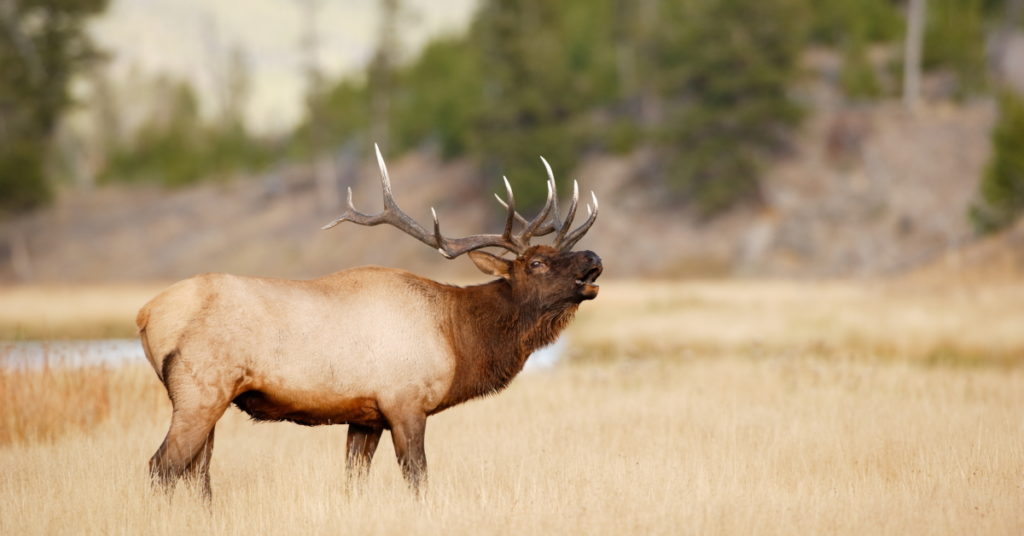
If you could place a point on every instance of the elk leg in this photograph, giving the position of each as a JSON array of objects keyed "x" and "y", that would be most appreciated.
[
  {"x": 361, "y": 444},
  {"x": 407, "y": 431},
  {"x": 189, "y": 435},
  {"x": 198, "y": 469}
]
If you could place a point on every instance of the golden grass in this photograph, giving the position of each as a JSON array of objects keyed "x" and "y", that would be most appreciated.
[
  {"x": 71, "y": 311},
  {"x": 707, "y": 446},
  {"x": 975, "y": 324},
  {"x": 53, "y": 401},
  {"x": 771, "y": 408}
]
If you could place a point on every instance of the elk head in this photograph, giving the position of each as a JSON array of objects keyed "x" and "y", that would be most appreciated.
[{"x": 538, "y": 274}]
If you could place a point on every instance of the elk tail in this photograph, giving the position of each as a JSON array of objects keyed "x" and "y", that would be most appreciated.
[
  {"x": 142, "y": 318},
  {"x": 141, "y": 321}
]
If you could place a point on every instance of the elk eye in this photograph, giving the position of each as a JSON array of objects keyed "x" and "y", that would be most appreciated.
[{"x": 536, "y": 264}]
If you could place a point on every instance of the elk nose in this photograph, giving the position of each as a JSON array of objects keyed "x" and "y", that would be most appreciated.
[{"x": 592, "y": 257}]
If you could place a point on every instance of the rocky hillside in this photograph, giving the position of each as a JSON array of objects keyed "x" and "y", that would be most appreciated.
[
  {"x": 872, "y": 191},
  {"x": 866, "y": 190}
]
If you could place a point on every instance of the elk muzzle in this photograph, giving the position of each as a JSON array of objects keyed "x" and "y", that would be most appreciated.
[{"x": 591, "y": 269}]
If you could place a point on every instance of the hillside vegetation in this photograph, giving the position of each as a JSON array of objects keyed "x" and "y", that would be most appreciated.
[
  {"x": 712, "y": 89},
  {"x": 895, "y": 205},
  {"x": 725, "y": 137}
]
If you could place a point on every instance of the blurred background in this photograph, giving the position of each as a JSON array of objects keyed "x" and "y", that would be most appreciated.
[
  {"x": 811, "y": 317},
  {"x": 146, "y": 140}
]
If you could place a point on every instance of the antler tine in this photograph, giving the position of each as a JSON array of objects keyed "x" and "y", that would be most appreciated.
[
  {"x": 555, "y": 221},
  {"x": 437, "y": 234},
  {"x": 533, "y": 227},
  {"x": 511, "y": 206},
  {"x": 385, "y": 179},
  {"x": 513, "y": 214},
  {"x": 344, "y": 217},
  {"x": 551, "y": 181},
  {"x": 569, "y": 216},
  {"x": 540, "y": 218},
  {"x": 393, "y": 215},
  {"x": 578, "y": 233},
  {"x": 453, "y": 247},
  {"x": 518, "y": 217},
  {"x": 536, "y": 226},
  {"x": 541, "y": 227}
]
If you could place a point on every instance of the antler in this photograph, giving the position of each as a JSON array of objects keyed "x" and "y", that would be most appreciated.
[
  {"x": 453, "y": 247},
  {"x": 564, "y": 240}
]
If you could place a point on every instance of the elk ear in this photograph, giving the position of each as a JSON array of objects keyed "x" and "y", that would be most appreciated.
[{"x": 491, "y": 264}]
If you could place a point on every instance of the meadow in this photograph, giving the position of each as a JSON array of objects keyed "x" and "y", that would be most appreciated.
[{"x": 716, "y": 407}]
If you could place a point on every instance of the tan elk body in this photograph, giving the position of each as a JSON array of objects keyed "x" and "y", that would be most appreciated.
[{"x": 375, "y": 348}]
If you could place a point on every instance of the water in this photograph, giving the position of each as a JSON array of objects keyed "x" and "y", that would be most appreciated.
[
  {"x": 548, "y": 356},
  {"x": 80, "y": 353},
  {"x": 75, "y": 353}
]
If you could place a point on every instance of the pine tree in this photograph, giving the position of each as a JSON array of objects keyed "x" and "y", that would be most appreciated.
[
  {"x": 1001, "y": 191},
  {"x": 725, "y": 68},
  {"x": 43, "y": 44},
  {"x": 544, "y": 66}
]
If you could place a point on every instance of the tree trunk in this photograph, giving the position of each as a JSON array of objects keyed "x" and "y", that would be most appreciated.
[
  {"x": 21, "y": 259},
  {"x": 912, "y": 54}
]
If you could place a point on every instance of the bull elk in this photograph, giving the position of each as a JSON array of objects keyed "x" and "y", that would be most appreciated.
[{"x": 375, "y": 348}]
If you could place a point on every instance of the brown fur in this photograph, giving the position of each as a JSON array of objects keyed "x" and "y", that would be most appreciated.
[
  {"x": 360, "y": 411},
  {"x": 492, "y": 349},
  {"x": 371, "y": 347}
]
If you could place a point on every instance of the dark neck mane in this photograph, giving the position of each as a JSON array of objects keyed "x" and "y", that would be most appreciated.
[{"x": 492, "y": 333}]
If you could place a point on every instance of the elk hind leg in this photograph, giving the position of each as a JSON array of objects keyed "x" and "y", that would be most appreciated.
[
  {"x": 360, "y": 445},
  {"x": 186, "y": 440},
  {"x": 187, "y": 448},
  {"x": 198, "y": 470}
]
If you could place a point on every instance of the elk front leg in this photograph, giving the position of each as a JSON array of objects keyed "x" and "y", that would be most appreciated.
[
  {"x": 407, "y": 430},
  {"x": 360, "y": 446}
]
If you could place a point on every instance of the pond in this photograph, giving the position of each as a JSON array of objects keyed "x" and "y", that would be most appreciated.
[
  {"x": 116, "y": 351},
  {"x": 76, "y": 353}
]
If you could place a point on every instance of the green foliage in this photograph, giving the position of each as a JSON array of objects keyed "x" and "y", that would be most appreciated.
[
  {"x": 1001, "y": 192},
  {"x": 954, "y": 37},
  {"x": 833, "y": 21},
  {"x": 726, "y": 86},
  {"x": 857, "y": 77},
  {"x": 439, "y": 98},
  {"x": 852, "y": 26},
  {"x": 955, "y": 40},
  {"x": 23, "y": 184},
  {"x": 164, "y": 149},
  {"x": 539, "y": 71},
  {"x": 342, "y": 112},
  {"x": 175, "y": 148},
  {"x": 533, "y": 77},
  {"x": 43, "y": 44}
]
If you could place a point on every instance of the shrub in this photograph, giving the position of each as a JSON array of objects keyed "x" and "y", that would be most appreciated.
[{"x": 1001, "y": 192}]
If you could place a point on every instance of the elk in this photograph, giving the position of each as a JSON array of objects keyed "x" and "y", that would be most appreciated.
[{"x": 375, "y": 348}]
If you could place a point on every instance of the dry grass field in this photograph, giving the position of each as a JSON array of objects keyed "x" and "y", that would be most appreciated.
[
  {"x": 700, "y": 408},
  {"x": 71, "y": 312},
  {"x": 965, "y": 324}
]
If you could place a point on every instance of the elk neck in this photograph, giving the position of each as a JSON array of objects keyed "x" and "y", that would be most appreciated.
[{"x": 492, "y": 332}]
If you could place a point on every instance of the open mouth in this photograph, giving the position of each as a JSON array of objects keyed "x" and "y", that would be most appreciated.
[{"x": 587, "y": 281}]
